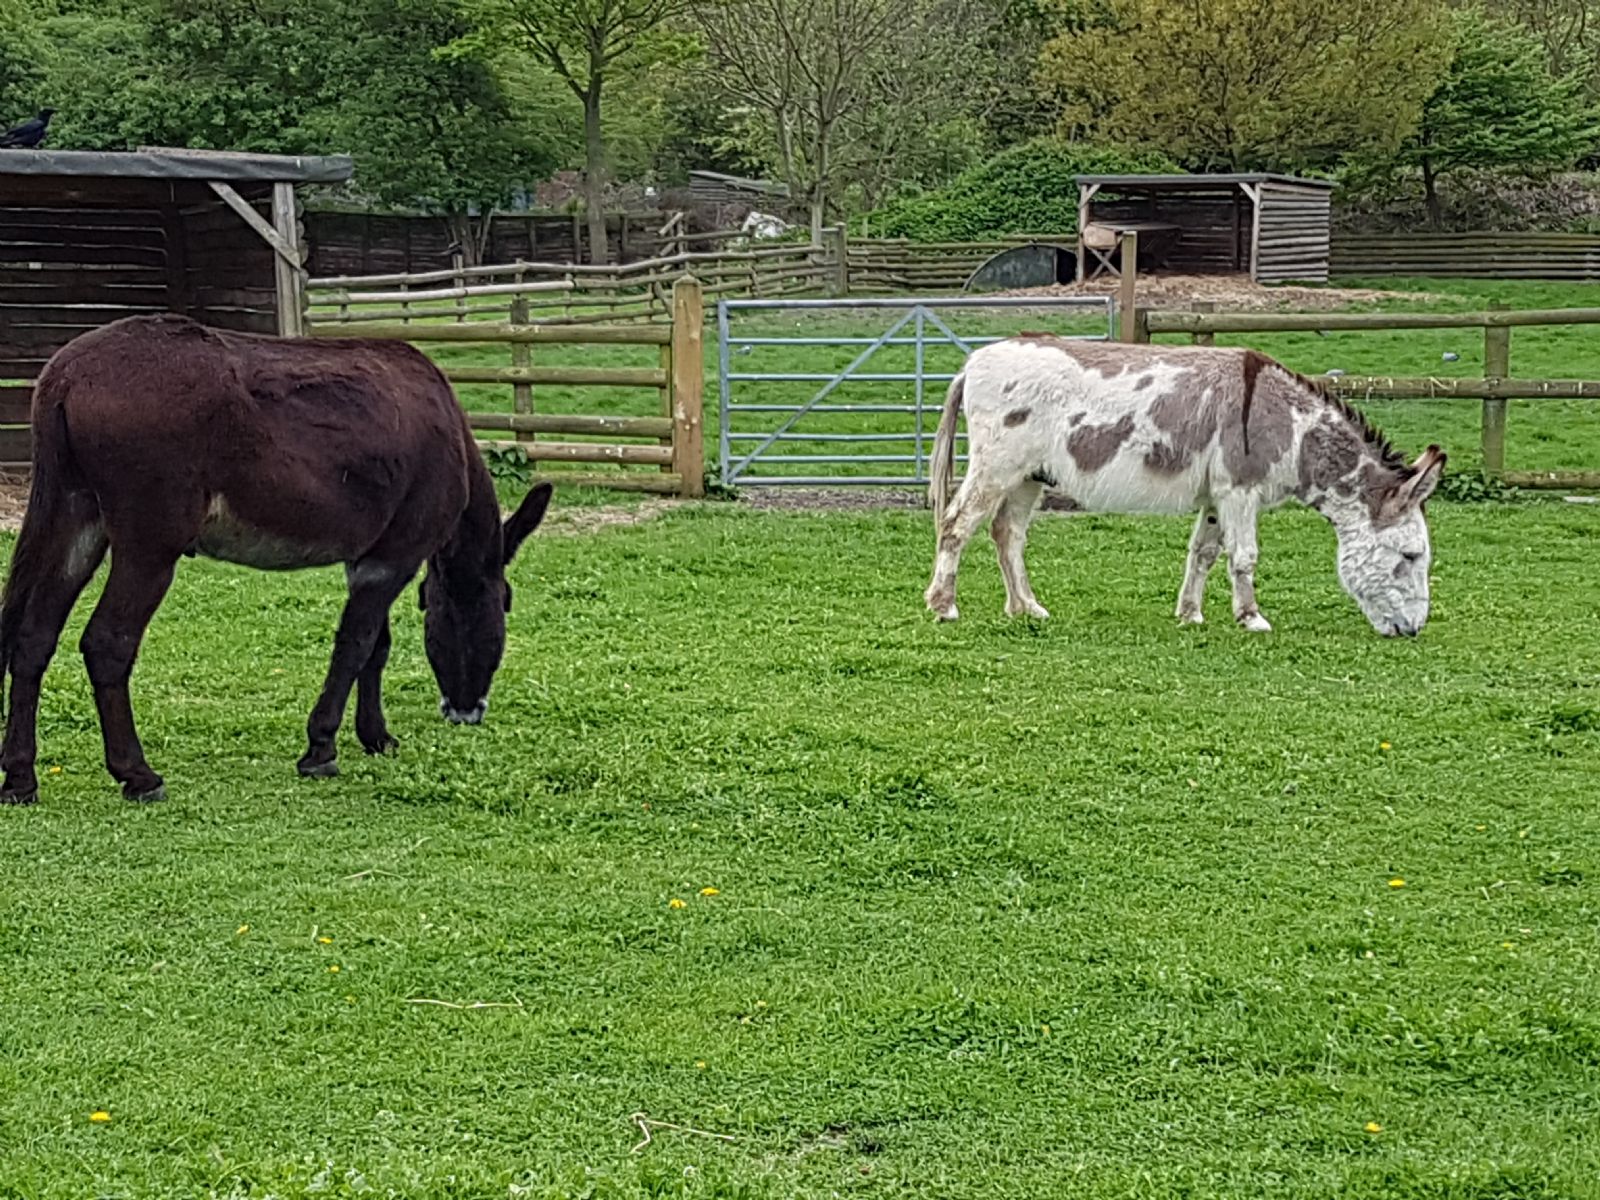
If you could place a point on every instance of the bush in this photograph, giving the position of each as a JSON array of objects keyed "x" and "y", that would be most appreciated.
[{"x": 1027, "y": 189}]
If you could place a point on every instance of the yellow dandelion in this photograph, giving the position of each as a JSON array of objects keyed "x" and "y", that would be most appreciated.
[
  {"x": 675, "y": 903},
  {"x": 349, "y": 999},
  {"x": 242, "y": 930},
  {"x": 333, "y": 970},
  {"x": 1480, "y": 828},
  {"x": 100, "y": 1116},
  {"x": 1373, "y": 1127},
  {"x": 761, "y": 1003},
  {"x": 1508, "y": 945},
  {"x": 1385, "y": 746},
  {"x": 325, "y": 941},
  {"x": 55, "y": 770},
  {"x": 701, "y": 1065},
  {"x": 1045, "y": 1029},
  {"x": 709, "y": 891},
  {"x": 1397, "y": 883}
]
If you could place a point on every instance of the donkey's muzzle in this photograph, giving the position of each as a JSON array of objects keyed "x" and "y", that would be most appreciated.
[{"x": 463, "y": 716}]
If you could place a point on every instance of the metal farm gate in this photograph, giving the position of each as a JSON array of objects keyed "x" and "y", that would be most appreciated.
[{"x": 799, "y": 405}]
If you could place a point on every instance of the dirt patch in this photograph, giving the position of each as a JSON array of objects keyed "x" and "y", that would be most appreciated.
[
  {"x": 571, "y": 522},
  {"x": 13, "y": 502},
  {"x": 1228, "y": 292}
]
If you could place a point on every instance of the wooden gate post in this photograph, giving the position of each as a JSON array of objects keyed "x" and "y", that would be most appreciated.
[
  {"x": 1125, "y": 292},
  {"x": 688, "y": 387},
  {"x": 1496, "y": 365}
]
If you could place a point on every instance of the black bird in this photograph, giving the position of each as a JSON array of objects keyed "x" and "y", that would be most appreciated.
[{"x": 29, "y": 134}]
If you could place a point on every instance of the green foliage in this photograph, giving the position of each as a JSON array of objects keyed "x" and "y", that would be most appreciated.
[
  {"x": 21, "y": 78},
  {"x": 1027, "y": 189},
  {"x": 1499, "y": 107},
  {"x": 1475, "y": 487},
  {"x": 1244, "y": 85}
]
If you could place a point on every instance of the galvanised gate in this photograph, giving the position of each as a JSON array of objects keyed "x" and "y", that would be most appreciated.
[{"x": 837, "y": 392}]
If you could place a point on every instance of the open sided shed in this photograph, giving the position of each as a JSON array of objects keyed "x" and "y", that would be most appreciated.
[
  {"x": 1273, "y": 227},
  {"x": 87, "y": 238}
]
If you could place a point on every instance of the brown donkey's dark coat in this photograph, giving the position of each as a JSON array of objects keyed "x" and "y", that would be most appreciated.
[{"x": 159, "y": 437}]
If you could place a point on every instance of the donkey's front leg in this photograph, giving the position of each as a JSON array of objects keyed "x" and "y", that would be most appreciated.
[
  {"x": 1237, "y": 513},
  {"x": 371, "y": 728},
  {"x": 373, "y": 588},
  {"x": 1205, "y": 544}
]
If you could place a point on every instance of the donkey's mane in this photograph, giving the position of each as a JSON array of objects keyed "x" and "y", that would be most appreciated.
[{"x": 1371, "y": 436}]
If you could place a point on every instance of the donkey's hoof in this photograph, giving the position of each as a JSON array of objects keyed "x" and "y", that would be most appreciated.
[
  {"x": 317, "y": 770},
  {"x": 1255, "y": 623},
  {"x": 143, "y": 793},
  {"x": 387, "y": 744},
  {"x": 20, "y": 797},
  {"x": 1191, "y": 617},
  {"x": 1032, "y": 609},
  {"x": 948, "y": 613}
]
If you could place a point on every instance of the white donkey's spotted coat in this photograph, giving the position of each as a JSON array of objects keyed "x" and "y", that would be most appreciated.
[{"x": 1159, "y": 429}]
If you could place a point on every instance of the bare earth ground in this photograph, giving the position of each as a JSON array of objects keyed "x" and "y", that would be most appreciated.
[{"x": 1235, "y": 292}]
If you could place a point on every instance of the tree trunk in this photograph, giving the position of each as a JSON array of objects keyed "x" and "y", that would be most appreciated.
[
  {"x": 465, "y": 233},
  {"x": 1430, "y": 195},
  {"x": 594, "y": 171}
]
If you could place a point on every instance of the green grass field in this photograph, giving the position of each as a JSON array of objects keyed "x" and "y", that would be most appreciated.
[{"x": 1097, "y": 907}]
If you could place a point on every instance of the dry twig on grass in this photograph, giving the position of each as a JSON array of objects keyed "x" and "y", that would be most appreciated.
[
  {"x": 515, "y": 1003},
  {"x": 646, "y": 1124}
]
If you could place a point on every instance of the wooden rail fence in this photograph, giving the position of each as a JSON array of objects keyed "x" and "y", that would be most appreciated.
[
  {"x": 1496, "y": 387},
  {"x": 1469, "y": 255},
  {"x": 671, "y": 441}
]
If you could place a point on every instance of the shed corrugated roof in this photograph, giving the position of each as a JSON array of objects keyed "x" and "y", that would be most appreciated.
[
  {"x": 162, "y": 163},
  {"x": 1196, "y": 182}
]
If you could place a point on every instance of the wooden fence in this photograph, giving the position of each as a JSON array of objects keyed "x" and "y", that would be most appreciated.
[
  {"x": 671, "y": 441},
  {"x": 1497, "y": 386},
  {"x": 569, "y": 294},
  {"x": 895, "y": 264},
  {"x": 1573, "y": 256}
]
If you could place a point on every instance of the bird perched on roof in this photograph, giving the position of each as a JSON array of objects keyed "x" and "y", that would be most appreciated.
[{"x": 29, "y": 134}]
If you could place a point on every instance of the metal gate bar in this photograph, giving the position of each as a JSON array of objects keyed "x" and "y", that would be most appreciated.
[{"x": 927, "y": 329}]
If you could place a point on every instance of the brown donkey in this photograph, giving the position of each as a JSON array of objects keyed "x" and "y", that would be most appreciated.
[{"x": 160, "y": 438}]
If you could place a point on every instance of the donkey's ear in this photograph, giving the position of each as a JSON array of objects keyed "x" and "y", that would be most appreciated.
[
  {"x": 525, "y": 520},
  {"x": 1425, "y": 473}
]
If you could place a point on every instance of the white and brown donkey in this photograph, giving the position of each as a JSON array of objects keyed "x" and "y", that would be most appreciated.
[{"x": 1162, "y": 429}]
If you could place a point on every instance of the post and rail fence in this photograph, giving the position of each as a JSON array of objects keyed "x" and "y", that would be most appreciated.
[
  {"x": 673, "y": 440},
  {"x": 1497, "y": 386}
]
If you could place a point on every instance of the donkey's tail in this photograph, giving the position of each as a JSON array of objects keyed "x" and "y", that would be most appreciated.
[
  {"x": 944, "y": 450},
  {"x": 39, "y": 547}
]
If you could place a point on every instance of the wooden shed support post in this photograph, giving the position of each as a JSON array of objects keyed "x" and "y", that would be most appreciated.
[
  {"x": 1126, "y": 312},
  {"x": 1496, "y": 365},
  {"x": 1086, "y": 194},
  {"x": 1253, "y": 194},
  {"x": 688, "y": 386},
  {"x": 282, "y": 233}
]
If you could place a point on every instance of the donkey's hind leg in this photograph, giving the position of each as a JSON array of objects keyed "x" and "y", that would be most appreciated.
[
  {"x": 140, "y": 575},
  {"x": 975, "y": 501},
  {"x": 371, "y": 728},
  {"x": 1205, "y": 545},
  {"x": 1010, "y": 533},
  {"x": 77, "y": 546}
]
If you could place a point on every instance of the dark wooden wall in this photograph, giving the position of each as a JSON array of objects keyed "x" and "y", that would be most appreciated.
[
  {"x": 68, "y": 265},
  {"x": 1216, "y": 227},
  {"x": 376, "y": 244}
]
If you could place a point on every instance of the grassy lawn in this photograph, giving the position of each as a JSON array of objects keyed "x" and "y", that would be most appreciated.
[
  {"x": 1542, "y": 435},
  {"x": 1100, "y": 907}
]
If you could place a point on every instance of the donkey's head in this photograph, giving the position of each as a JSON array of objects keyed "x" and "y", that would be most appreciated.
[
  {"x": 465, "y": 599},
  {"x": 1384, "y": 553}
]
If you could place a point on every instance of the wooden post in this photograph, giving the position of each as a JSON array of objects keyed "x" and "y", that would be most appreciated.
[
  {"x": 836, "y": 256},
  {"x": 1129, "y": 242},
  {"x": 688, "y": 386},
  {"x": 1206, "y": 337},
  {"x": 1496, "y": 365},
  {"x": 291, "y": 306},
  {"x": 521, "y": 356},
  {"x": 458, "y": 264}
]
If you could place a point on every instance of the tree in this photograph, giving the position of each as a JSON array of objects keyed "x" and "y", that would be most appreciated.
[
  {"x": 586, "y": 43},
  {"x": 1249, "y": 84},
  {"x": 834, "y": 86},
  {"x": 429, "y": 128},
  {"x": 1499, "y": 107},
  {"x": 21, "y": 79}
]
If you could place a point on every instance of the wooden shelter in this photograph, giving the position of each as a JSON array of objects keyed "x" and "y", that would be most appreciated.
[
  {"x": 87, "y": 238},
  {"x": 1272, "y": 227}
]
